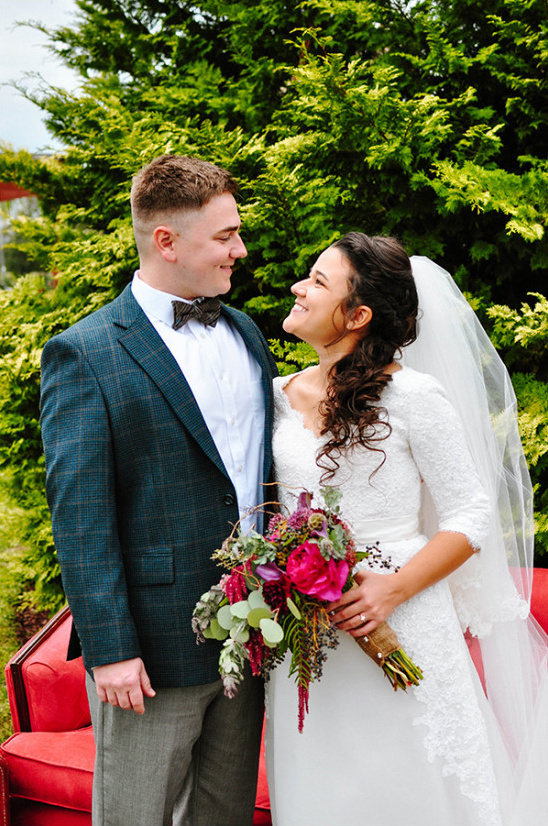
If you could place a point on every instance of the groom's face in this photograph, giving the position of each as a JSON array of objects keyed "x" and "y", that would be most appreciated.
[{"x": 207, "y": 246}]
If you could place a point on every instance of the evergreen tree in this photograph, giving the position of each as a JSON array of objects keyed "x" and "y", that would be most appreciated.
[{"x": 426, "y": 120}]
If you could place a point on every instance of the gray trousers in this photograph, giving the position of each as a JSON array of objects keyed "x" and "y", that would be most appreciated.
[{"x": 190, "y": 760}]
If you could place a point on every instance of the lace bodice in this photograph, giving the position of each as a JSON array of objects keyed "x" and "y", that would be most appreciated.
[
  {"x": 425, "y": 448},
  {"x": 425, "y": 445}
]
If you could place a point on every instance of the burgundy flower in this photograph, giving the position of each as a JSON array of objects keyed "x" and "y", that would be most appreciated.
[
  {"x": 255, "y": 650},
  {"x": 234, "y": 585},
  {"x": 276, "y": 592}
]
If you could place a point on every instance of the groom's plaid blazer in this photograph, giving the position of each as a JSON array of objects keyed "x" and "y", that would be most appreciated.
[{"x": 138, "y": 493}]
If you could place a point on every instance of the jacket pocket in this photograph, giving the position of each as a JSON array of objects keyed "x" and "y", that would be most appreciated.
[{"x": 152, "y": 568}]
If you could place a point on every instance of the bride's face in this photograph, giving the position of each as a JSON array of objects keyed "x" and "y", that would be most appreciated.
[{"x": 317, "y": 315}]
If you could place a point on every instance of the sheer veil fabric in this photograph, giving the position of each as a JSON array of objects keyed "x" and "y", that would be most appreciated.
[{"x": 492, "y": 590}]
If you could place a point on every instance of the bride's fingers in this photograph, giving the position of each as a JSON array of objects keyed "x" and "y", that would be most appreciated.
[
  {"x": 363, "y": 630},
  {"x": 357, "y": 625},
  {"x": 348, "y": 598},
  {"x": 342, "y": 613},
  {"x": 348, "y": 619}
]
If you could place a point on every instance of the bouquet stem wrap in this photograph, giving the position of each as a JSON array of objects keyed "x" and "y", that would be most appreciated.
[
  {"x": 384, "y": 648},
  {"x": 380, "y": 643}
]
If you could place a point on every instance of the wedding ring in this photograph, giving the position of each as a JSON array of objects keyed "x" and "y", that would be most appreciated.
[{"x": 363, "y": 618}]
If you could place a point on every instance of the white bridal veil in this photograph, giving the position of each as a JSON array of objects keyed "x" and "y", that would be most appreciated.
[{"x": 492, "y": 590}]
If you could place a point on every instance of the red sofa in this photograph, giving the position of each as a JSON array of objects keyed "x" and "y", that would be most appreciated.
[{"x": 46, "y": 767}]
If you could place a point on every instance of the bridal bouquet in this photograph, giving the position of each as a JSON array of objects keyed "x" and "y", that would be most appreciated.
[{"x": 272, "y": 599}]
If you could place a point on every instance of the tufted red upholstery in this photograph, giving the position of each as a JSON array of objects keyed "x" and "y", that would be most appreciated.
[
  {"x": 49, "y": 759},
  {"x": 52, "y": 767},
  {"x": 48, "y": 762}
]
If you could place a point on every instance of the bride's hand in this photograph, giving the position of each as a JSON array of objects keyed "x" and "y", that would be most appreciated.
[{"x": 371, "y": 601}]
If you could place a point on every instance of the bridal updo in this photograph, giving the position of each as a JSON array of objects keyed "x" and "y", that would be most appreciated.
[{"x": 381, "y": 278}]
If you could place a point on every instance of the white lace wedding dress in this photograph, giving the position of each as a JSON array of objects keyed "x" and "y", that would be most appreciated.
[{"x": 369, "y": 756}]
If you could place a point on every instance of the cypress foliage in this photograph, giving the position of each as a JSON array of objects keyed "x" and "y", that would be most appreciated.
[{"x": 426, "y": 120}]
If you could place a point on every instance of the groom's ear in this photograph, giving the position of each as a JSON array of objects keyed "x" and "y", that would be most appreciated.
[
  {"x": 360, "y": 318},
  {"x": 163, "y": 239}
]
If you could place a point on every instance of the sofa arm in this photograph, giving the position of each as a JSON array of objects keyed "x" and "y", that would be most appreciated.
[
  {"x": 46, "y": 692},
  {"x": 4, "y": 793}
]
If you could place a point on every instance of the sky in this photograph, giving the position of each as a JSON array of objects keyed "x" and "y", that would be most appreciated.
[{"x": 22, "y": 50}]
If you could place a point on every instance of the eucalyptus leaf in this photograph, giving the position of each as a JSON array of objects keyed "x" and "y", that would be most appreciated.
[
  {"x": 293, "y": 608},
  {"x": 257, "y": 614},
  {"x": 225, "y": 617},
  {"x": 240, "y": 632},
  {"x": 256, "y": 599},
  {"x": 217, "y": 632},
  {"x": 272, "y": 631},
  {"x": 331, "y": 497},
  {"x": 240, "y": 609}
]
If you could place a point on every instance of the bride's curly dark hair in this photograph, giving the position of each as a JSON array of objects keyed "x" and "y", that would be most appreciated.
[{"x": 380, "y": 278}]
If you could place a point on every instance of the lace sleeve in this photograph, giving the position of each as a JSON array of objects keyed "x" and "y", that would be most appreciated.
[{"x": 439, "y": 449}]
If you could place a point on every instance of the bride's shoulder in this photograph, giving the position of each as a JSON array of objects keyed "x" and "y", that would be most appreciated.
[
  {"x": 280, "y": 382},
  {"x": 411, "y": 382}
]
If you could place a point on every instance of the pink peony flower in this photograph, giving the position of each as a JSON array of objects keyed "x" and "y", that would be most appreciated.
[{"x": 314, "y": 575}]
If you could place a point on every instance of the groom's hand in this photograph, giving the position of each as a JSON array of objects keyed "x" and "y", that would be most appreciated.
[{"x": 123, "y": 684}]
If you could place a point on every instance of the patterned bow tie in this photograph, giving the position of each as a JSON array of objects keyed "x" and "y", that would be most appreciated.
[{"x": 207, "y": 311}]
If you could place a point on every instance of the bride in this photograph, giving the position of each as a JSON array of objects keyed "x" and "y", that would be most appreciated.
[{"x": 431, "y": 469}]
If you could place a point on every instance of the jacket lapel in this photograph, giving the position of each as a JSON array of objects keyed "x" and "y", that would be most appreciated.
[{"x": 142, "y": 342}]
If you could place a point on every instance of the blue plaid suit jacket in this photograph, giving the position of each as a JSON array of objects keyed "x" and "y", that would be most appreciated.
[{"x": 138, "y": 493}]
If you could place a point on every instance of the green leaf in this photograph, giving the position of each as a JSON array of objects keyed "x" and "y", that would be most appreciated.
[
  {"x": 293, "y": 608},
  {"x": 240, "y": 633},
  {"x": 272, "y": 632},
  {"x": 240, "y": 609},
  {"x": 225, "y": 617},
  {"x": 256, "y": 599},
  {"x": 331, "y": 497},
  {"x": 256, "y": 615},
  {"x": 217, "y": 632}
]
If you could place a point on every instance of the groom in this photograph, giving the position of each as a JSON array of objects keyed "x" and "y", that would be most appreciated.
[{"x": 156, "y": 422}]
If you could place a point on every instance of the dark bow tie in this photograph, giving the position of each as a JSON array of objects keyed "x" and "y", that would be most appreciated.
[{"x": 207, "y": 311}]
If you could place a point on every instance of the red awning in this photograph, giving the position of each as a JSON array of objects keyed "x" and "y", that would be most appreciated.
[{"x": 9, "y": 192}]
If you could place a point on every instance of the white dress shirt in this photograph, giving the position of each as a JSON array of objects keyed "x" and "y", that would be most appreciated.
[{"x": 225, "y": 380}]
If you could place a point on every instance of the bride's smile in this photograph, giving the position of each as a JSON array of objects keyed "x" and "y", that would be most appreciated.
[{"x": 318, "y": 316}]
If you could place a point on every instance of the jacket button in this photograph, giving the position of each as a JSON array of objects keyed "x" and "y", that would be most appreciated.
[{"x": 228, "y": 499}]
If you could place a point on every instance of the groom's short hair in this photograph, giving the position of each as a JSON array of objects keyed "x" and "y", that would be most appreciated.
[{"x": 174, "y": 184}]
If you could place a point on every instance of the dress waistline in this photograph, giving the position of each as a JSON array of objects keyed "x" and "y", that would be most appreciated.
[{"x": 392, "y": 529}]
